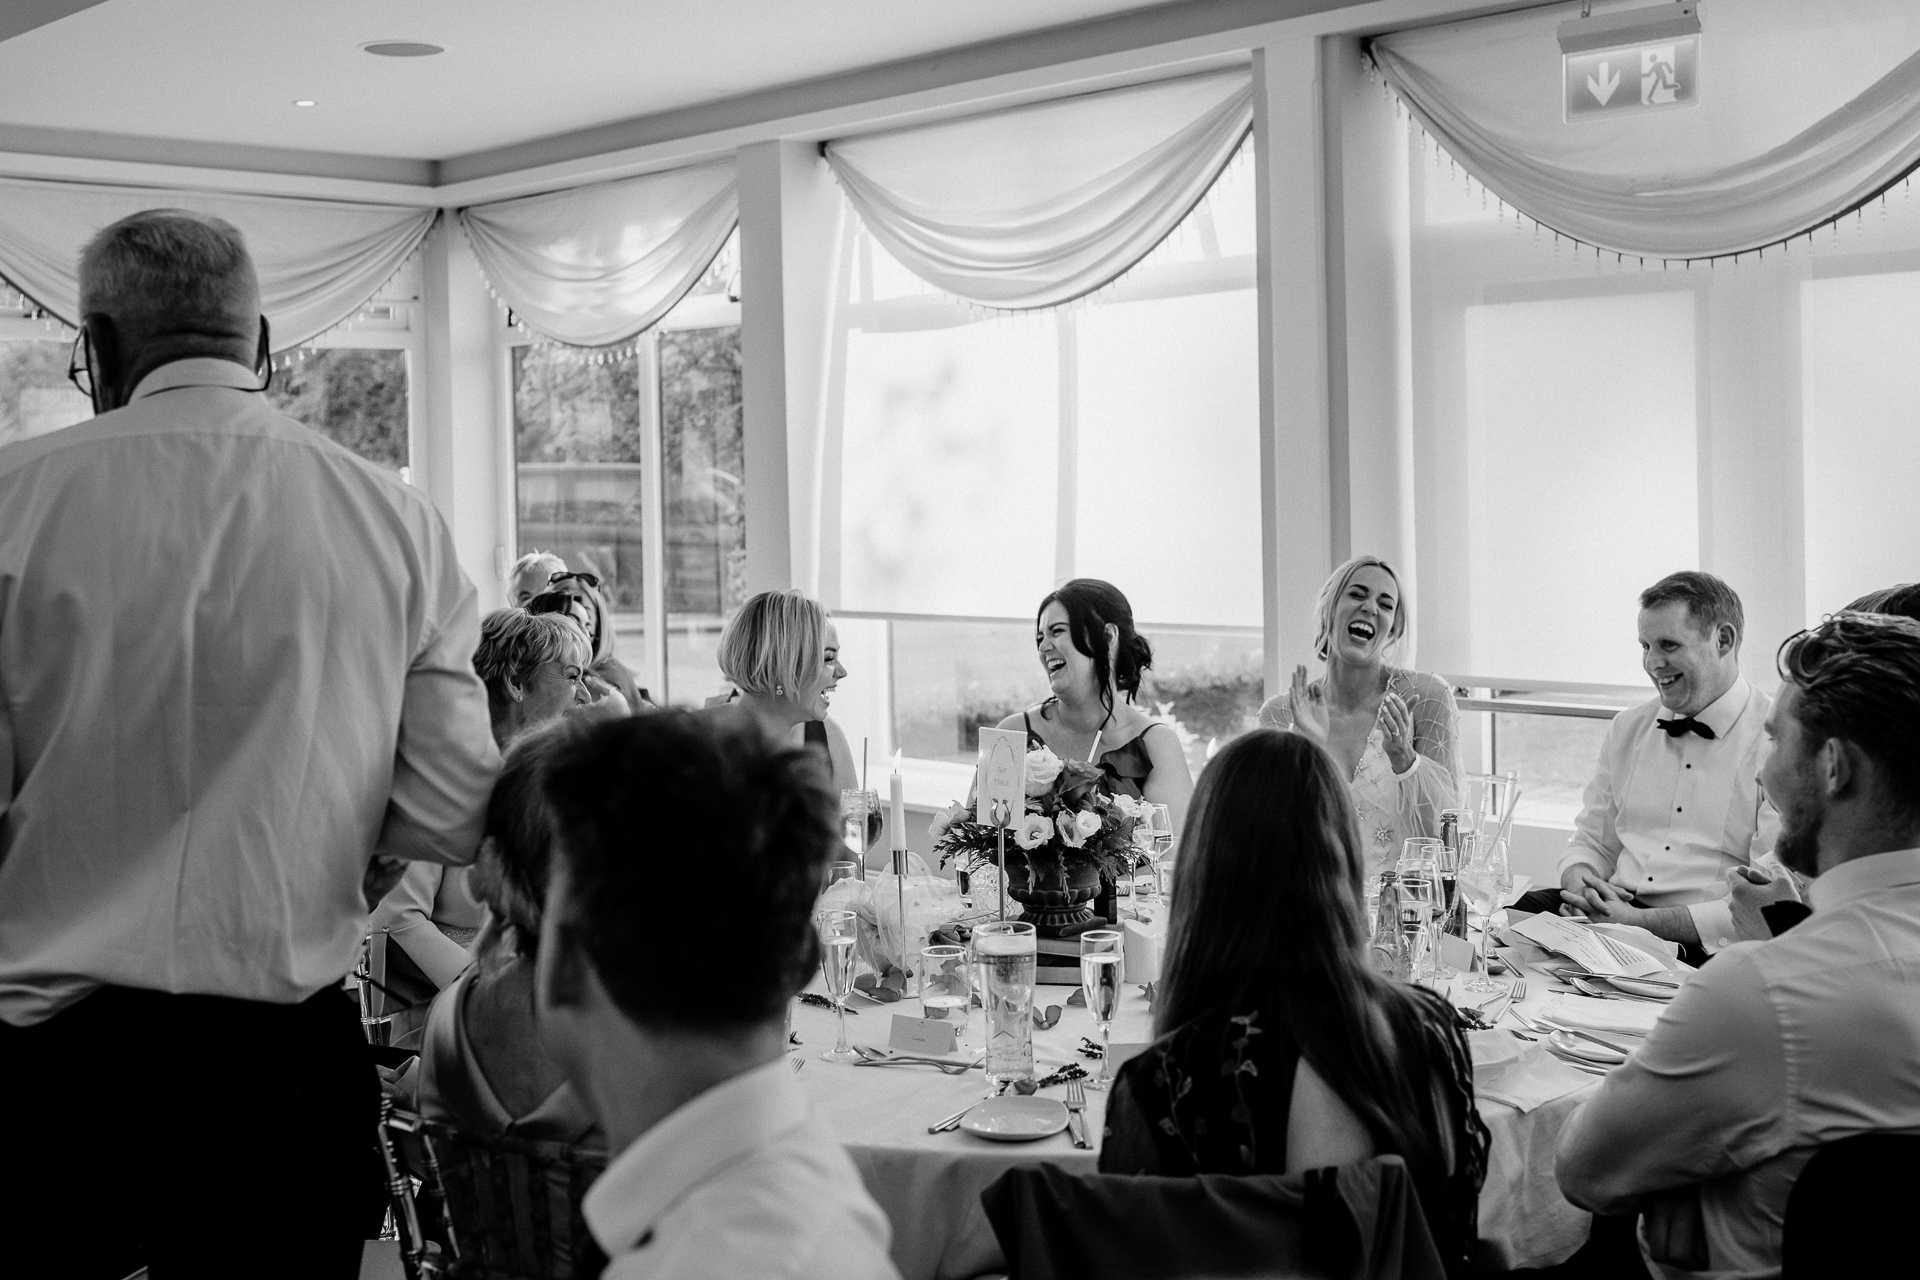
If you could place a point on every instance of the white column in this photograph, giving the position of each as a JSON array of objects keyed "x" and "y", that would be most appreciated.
[
  {"x": 465, "y": 448},
  {"x": 1297, "y": 483},
  {"x": 789, "y": 242}
]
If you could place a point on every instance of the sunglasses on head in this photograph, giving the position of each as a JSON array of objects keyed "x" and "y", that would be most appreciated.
[{"x": 564, "y": 575}]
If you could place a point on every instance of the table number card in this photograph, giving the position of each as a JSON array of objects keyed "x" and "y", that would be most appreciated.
[
  {"x": 923, "y": 1035},
  {"x": 1002, "y": 774}
]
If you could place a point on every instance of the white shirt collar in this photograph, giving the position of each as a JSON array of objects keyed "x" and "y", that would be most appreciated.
[
  {"x": 1860, "y": 877},
  {"x": 196, "y": 371},
  {"x": 688, "y": 1148},
  {"x": 1720, "y": 714}
]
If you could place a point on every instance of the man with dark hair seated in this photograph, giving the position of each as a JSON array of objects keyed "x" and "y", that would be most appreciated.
[
  {"x": 1777, "y": 1048},
  {"x": 664, "y": 981},
  {"x": 1673, "y": 809}
]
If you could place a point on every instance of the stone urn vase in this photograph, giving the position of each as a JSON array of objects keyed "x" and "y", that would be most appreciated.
[{"x": 1053, "y": 898}]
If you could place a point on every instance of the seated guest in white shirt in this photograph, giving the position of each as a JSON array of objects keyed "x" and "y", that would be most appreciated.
[
  {"x": 1674, "y": 805},
  {"x": 1776, "y": 1048},
  {"x": 671, "y": 1019}
]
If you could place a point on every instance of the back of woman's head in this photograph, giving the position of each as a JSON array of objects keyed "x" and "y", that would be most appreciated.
[
  {"x": 510, "y": 874},
  {"x": 772, "y": 647},
  {"x": 1270, "y": 874},
  {"x": 1092, "y": 606}
]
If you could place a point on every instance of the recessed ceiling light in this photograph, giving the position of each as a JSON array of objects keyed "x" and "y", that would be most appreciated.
[
  {"x": 402, "y": 49},
  {"x": 305, "y": 102}
]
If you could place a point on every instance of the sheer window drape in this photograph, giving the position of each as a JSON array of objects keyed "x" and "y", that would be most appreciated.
[
  {"x": 598, "y": 265},
  {"x": 1038, "y": 205},
  {"x": 1805, "y": 112},
  {"x": 319, "y": 260}
]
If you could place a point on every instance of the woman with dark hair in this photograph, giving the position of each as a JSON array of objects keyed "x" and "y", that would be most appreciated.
[
  {"x": 1390, "y": 730},
  {"x": 1093, "y": 659},
  {"x": 1279, "y": 1047},
  {"x": 484, "y": 1066}
]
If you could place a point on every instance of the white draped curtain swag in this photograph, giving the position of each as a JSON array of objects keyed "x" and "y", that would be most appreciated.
[
  {"x": 319, "y": 260},
  {"x": 598, "y": 265},
  {"x": 1805, "y": 113},
  {"x": 1036, "y": 206}
]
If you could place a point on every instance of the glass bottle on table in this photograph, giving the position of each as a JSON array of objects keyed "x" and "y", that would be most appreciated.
[
  {"x": 838, "y": 936},
  {"x": 1102, "y": 970}
]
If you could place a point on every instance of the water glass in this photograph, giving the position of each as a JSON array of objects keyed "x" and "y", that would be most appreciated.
[
  {"x": 1102, "y": 970},
  {"x": 1419, "y": 901},
  {"x": 1163, "y": 880},
  {"x": 839, "y": 933},
  {"x": 1006, "y": 952},
  {"x": 946, "y": 985},
  {"x": 1485, "y": 883},
  {"x": 838, "y": 871}
]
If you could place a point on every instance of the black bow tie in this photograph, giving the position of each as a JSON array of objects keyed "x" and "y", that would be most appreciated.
[{"x": 1686, "y": 724}]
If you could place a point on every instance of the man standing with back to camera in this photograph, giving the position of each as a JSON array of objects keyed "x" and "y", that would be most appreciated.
[{"x": 236, "y": 689}]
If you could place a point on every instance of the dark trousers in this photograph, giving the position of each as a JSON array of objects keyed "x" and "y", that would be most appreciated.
[
  {"x": 194, "y": 1135},
  {"x": 1535, "y": 900}
]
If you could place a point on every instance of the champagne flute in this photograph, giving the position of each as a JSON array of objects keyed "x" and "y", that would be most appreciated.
[
  {"x": 1102, "y": 968},
  {"x": 1486, "y": 881},
  {"x": 838, "y": 933}
]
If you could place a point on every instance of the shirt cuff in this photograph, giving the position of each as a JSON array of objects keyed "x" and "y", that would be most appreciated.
[
  {"x": 1411, "y": 769},
  {"x": 1713, "y": 921}
]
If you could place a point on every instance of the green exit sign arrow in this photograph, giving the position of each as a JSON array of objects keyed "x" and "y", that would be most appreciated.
[{"x": 1639, "y": 60}]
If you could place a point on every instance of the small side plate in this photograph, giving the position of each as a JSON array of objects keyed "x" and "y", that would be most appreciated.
[{"x": 1015, "y": 1118}]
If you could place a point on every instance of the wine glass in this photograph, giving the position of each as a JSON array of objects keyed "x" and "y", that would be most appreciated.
[
  {"x": 1419, "y": 897},
  {"x": 1485, "y": 881},
  {"x": 1102, "y": 968},
  {"x": 946, "y": 985},
  {"x": 860, "y": 823},
  {"x": 838, "y": 934}
]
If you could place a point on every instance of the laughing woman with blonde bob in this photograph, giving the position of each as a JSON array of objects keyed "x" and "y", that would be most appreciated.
[{"x": 1391, "y": 731}]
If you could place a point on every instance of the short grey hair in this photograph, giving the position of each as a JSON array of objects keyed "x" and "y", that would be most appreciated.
[
  {"x": 774, "y": 645},
  {"x": 164, "y": 271},
  {"x": 514, "y": 643}
]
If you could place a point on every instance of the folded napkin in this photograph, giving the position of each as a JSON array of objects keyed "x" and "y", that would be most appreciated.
[
  {"x": 1141, "y": 948},
  {"x": 1534, "y": 1079},
  {"x": 1634, "y": 1016},
  {"x": 1492, "y": 1048}
]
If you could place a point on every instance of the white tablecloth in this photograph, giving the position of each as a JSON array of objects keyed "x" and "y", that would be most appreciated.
[{"x": 930, "y": 1184}]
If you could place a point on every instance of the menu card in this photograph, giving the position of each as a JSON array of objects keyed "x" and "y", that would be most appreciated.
[{"x": 1588, "y": 947}]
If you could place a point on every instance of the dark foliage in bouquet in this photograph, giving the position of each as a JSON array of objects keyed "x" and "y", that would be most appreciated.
[{"x": 1074, "y": 820}]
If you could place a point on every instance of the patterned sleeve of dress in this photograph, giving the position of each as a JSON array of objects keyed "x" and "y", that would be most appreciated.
[{"x": 1434, "y": 783}]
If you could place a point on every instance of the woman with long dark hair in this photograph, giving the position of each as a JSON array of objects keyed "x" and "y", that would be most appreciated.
[
  {"x": 1279, "y": 1048},
  {"x": 1093, "y": 659}
]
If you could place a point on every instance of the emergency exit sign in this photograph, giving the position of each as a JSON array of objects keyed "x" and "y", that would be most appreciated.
[{"x": 1636, "y": 61}]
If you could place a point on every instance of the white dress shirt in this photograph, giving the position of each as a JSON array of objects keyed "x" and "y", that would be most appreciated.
[
  {"x": 234, "y": 660},
  {"x": 741, "y": 1181},
  {"x": 1773, "y": 1049},
  {"x": 1665, "y": 818}
]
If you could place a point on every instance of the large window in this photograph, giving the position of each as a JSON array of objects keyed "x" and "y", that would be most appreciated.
[
  {"x": 35, "y": 395},
  {"x": 354, "y": 396},
  {"x": 609, "y": 447},
  {"x": 980, "y": 460}
]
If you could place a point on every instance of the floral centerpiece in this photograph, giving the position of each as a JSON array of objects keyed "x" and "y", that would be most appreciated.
[{"x": 1075, "y": 833}]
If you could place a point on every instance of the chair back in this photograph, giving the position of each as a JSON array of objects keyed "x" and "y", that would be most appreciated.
[
  {"x": 1360, "y": 1221},
  {"x": 413, "y": 1191},
  {"x": 1847, "y": 1213},
  {"x": 513, "y": 1205}
]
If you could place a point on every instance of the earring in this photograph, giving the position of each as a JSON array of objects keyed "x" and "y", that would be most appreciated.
[{"x": 779, "y": 691}]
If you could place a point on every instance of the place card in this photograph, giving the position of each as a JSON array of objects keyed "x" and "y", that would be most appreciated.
[
  {"x": 1002, "y": 774},
  {"x": 1456, "y": 953},
  {"x": 923, "y": 1035}
]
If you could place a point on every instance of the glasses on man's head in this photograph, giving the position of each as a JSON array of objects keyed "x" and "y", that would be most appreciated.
[
  {"x": 564, "y": 575},
  {"x": 80, "y": 365}
]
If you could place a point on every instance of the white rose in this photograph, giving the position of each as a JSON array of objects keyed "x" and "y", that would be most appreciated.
[
  {"x": 1128, "y": 806},
  {"x": 1088, "y": 821},
  {"x": 1069, "y": 831},
  {"x": 944, "y": 819},
  {"x": 1032, "y": 831},
  {"x": 1043, "y": 768}
]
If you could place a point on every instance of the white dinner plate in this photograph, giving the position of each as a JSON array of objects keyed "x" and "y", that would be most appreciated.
[
  {"x": 1016, "y": 1118},
  {"x": 1647, "y": 990},
  {"x": 1585, "y": 1050}
]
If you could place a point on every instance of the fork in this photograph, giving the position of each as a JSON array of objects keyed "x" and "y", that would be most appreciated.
[
  {"x": 1515, "y": 994},
  {"x": 1076, "y": 1114}
]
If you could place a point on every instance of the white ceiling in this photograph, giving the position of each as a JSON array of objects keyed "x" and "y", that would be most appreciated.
[{"x": 228, "y": 71}]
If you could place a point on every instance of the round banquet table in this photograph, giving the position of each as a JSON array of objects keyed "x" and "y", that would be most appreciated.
[{"x": 930, "y": 1184}]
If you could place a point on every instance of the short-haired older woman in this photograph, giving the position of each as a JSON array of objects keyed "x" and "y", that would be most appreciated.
[
  {"x": 1279, "y": 1048},
  {"x": 483, "y": 1063},
  {"x": 781, "y": 653},
  {"x": 532, "y": 666},
  {"x": 531, "y": 574},
  {"x": 1391, "y": 731}
]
